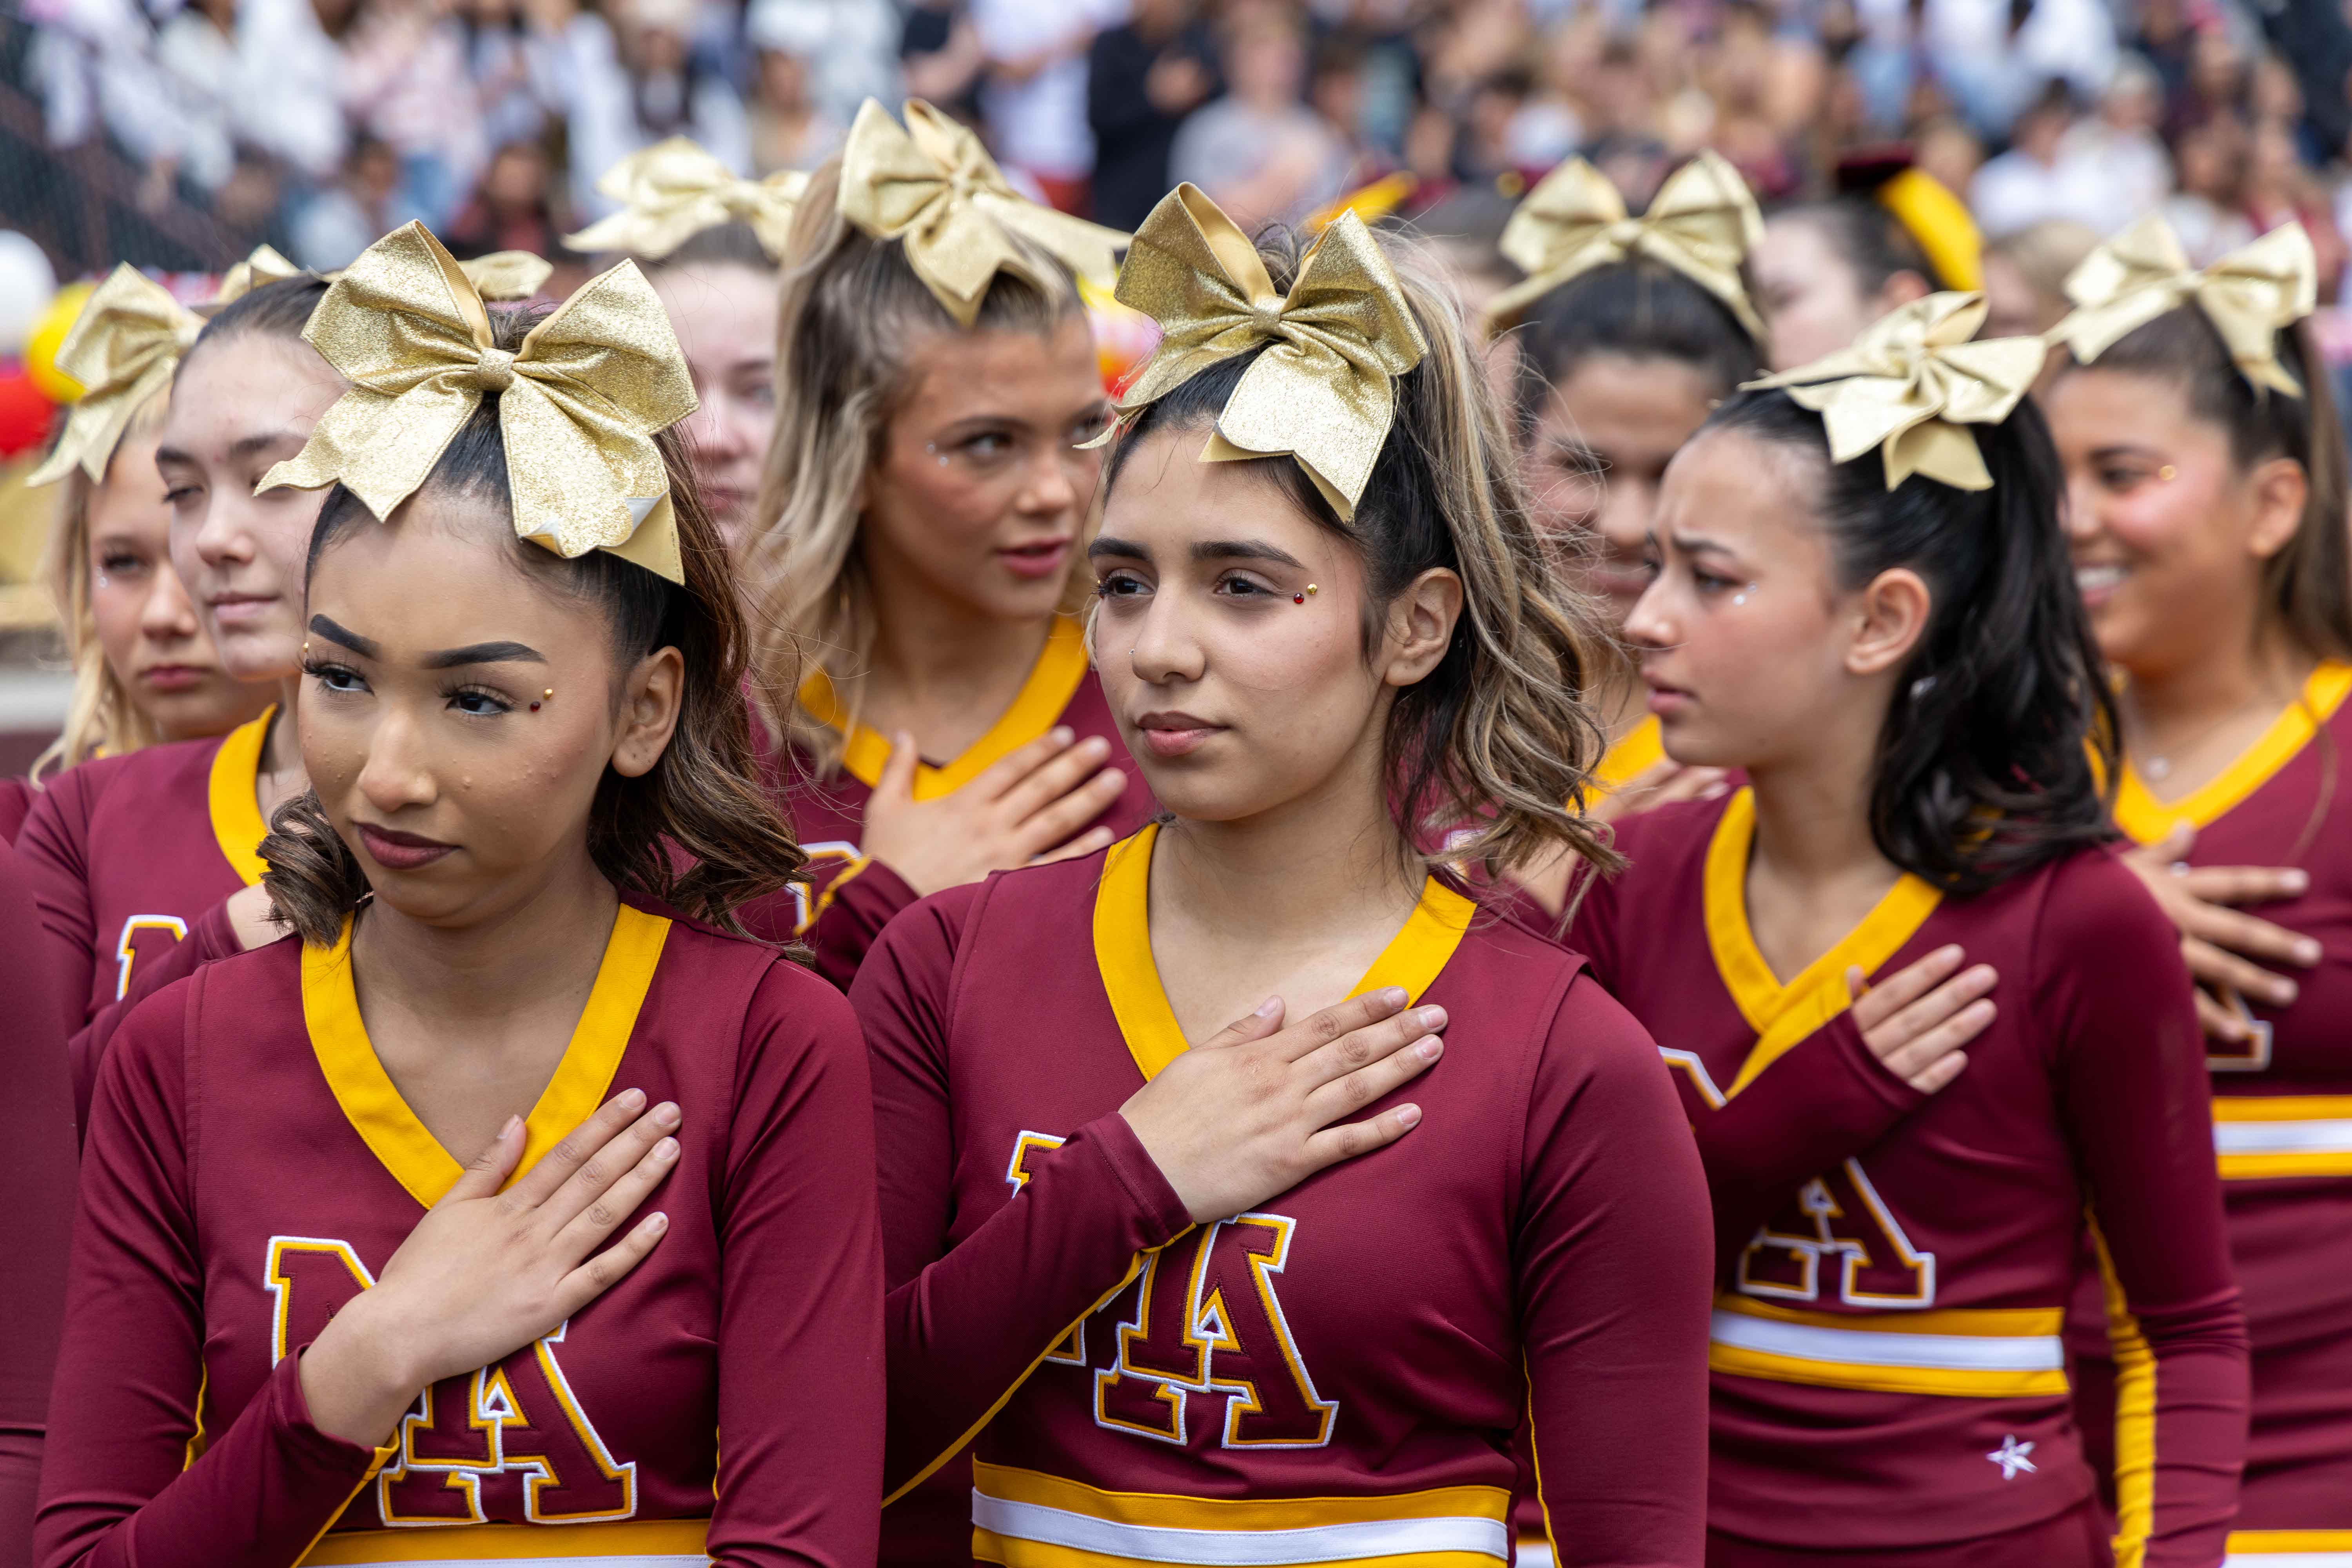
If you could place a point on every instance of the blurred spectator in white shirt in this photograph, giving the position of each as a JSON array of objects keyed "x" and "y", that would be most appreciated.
[
  {"x": 2132, "y": 173},
  {"x": 850, "y": 48},
  {"x": 1994, "y": 65},
  {"x": 1258, "y": 151},
  {"x": 2032, "y": 181},
  {"x": 1034, "y": 98},
  {"x": 788, "y": 129},
  {"x": 333, "y": 227},
  {"x": 625, "y": 84},
  {"x": 407, "y": 82},
  {"x": 2209, "y": 156}
]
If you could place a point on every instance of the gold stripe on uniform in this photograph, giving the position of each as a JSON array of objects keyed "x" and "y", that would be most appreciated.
[
  {"x": 2256, "y": 1137},
  {"x": 625, "y": 1544},
  {"x": 1990, "y": 1354}
]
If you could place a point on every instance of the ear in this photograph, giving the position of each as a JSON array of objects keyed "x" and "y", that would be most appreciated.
[
  {"x": 650, "y": 701},
  {"x": 2280, "y": 486},
  {"x": 1893, "y": 618},
  {"x": 1901, "y": 290},
  {"x": 1421, "y": 627}
]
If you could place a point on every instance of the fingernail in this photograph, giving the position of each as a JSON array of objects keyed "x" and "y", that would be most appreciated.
[
  {"x": 657, "y": 1224},
  {"x": 2307, "y": 951},
  {"x": 1394, "y": 995},
  {"x": 514, "y": 1125},
  {"x": 2283, "y": 993},
  {"x": 1094, "y": 745},
  {"x": 631, "y": 1099},
  {"x": 2296, "y": 882},
  {"x": 1431, "y": 1018},
  {"x": 667, "y": 1113},
  {"x": 1269, "y": 1007},
  {"x": 1407, "y": 1115},
  {"x": 1429, "y": 1049},
  {"x": 666, "y": 1150},
  {"x": 1062, "y": 733}
]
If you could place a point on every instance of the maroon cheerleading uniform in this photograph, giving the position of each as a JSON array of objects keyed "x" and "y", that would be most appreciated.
[
  {"x": 2282, "y": 1128},
  {"x": 132, "y": 859},
  {"x": 1889, "y": 1373},
  {"x": 251, "y": 1167},
  {"x": 850, "y": 895},
  {"x": 1335, "y": 1376},
  {"x": 36, "y": 1205}
]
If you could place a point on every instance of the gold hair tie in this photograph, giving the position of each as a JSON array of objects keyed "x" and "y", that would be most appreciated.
[
  {"x": 932, "y": 187},
  {"x": 122, "y": 349},
  {"x": 1701, "y": 223},
  {"x": 265, "y": 265},
  {"x": 579, "y": 403},
  {"x": 1324, "y": 393},
  {"x": 1908, "y": 384},
  {"x": 2249, "y": 295},
  {"x": 673, "y": 190},
  {"x": 507, "y": 274}
]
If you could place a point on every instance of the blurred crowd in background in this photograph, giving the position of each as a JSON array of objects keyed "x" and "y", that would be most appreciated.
[{"x": 316, "y": 125}]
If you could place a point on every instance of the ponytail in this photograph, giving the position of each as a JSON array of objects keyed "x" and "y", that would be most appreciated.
[{"x": 2002, "y": 726}]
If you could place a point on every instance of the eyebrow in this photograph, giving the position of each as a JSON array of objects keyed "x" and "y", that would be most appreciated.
[
  {"x": 1105, "y": 545},
  {"x": 447, "y": 658},
  {"x": 1245, "y": 550},
  {"x": 1700, "y": 544},
  {"x": 242, "y": 447}
]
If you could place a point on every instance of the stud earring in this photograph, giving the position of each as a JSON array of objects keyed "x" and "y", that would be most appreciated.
[
  {"x": 549, "y": 692},
  {"x": 1297, "y": 598},
  {"x": 1311, "y": 590},
  {"x": 2167, "y": 473}
]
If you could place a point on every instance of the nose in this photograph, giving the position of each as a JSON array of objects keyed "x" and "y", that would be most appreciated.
[
  {"x": 222, "y": 537},
  {"x": 1648, "y": 624},
  {"x": 716, "y": 430},
  {"x": 167, "y": 615},
  {"x": 1164, "y": 652},
  {"x": 397, "y": 774},
  {"x": 2079, "y": 513},
  {"x": 1623, "y": 521},
  {"x": 1053, "y": 486}
]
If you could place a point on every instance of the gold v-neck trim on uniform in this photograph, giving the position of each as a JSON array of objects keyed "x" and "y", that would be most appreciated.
[
  {"x": 370, "y": 1100},
  {"x": 1783, "y": 1015},
  {"x": 233, "y": 799},
  {"x": 1131, "y": 979},
  {"x": 2148, "y": 819},
  {"x": 1053, "y": 681}
]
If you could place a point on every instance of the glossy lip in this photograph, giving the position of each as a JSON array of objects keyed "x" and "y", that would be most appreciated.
[
  {"x": 398, "y": 851},
  {"x": 1172, "y": 734},
  {"x": 1617, "y": 581},
  {"x": 2094, "y": 596},
  {"x": 174, "y": 676},
  {"x": 1042, "y": 558},
  {"x": 1666, "y": 699},
  {"x": 722, "y": 501}
]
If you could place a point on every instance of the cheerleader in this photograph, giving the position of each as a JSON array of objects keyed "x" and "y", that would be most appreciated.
[
  {"x": 35, "y": 1207},
  {"x": 342, "y": 1289},
  {"x": 144, "y": 670},
  {"x": 919, "y": 534},
  {"x": 2207, "y": 474},
  {"x": 1635, "y": 329},
  {"x": 1825, "y": 270},
  {"x": 1862, "y": 600},
  {"x": 128, "y": 855},
  {"x": 707, "y": 239},
  {"x": 1201, "y": 1300}
]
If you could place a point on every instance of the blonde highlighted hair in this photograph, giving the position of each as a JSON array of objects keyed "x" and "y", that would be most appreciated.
[
  {"x": 1489, "y": 758},
  {"x": 101, "y": 715},
  {"x": 850, "y": 312}
]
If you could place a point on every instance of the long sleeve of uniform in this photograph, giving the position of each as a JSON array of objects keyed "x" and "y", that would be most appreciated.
[
  {"x": 1614, "y": 1283},
  {"x": 1825, "y": 1100},
  {"x": 212, "y": 936},
  {"x": 966, "y": 1326},
  {"x": 2136, "y": 1105},
  {"x": 851, "y": 917},
  {"x": 126, "y": 1413},
  {"x": 801, "y": 1368},
  {"x": 35, "y": 1208},
  {"x": 49, "y": 845}
]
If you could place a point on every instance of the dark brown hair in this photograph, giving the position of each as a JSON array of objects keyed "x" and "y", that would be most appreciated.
[
  {"x": 698, "y": 832},
  {"x": 1488, "y": 757},
  {"x": 2307, "y": 584}
]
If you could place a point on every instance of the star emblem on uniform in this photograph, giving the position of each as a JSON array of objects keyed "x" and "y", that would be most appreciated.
[{"x": 2012, "y": 1456}]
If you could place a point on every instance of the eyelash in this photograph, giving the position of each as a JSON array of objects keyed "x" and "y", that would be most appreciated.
[{"x": 323, "y": 670}]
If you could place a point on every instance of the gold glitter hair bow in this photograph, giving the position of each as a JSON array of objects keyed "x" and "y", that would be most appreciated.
[
  {"x": 2249, "y": 295},
  {"x": 578, "y": 401},
  {"x": 933, "y": 187},
  {"x": 673, "y": 190},
  {"x": 1701, "y": 223},
  {"x": 122, "y": 349},
  {"x": 264, "y": 266},
  {"x": 1908, "y": 384},
  {"x": 507, "y": 274},
  {"x": 1325, "y": 393}
]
